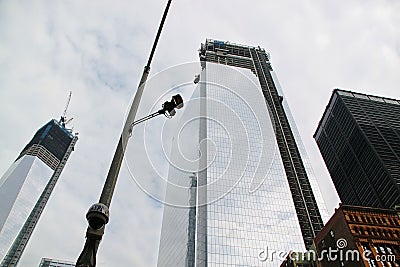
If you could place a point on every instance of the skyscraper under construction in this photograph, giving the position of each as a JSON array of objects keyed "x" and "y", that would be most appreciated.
[
  {"x": 253, "y": 191},
  {"x": 26, "y": 186}
]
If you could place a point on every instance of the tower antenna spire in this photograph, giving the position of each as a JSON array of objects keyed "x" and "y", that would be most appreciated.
[{"x": 63, "y": 119}]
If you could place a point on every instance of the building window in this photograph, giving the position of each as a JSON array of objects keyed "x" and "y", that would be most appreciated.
[
  {"x": 355, "y": 230},
  {"x": 385, "y": 233},
  {"x": 390, "y": 233},
  {"x": 367, "y": 231},
  {"x": 332, "y": 233},
  {"x": 371, "y": 263}
]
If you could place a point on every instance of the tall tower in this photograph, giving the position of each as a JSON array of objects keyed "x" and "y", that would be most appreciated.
[
  {"x": 26, "y": 186},
  {"x": 359, "y": 139},
  {"x": 253, "y": 193}
]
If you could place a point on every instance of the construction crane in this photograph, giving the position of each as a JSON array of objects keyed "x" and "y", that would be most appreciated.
[{"x": 63, "y": 119}]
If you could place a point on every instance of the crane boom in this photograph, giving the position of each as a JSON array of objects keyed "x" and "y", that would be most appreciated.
[
  {"x": 63, "y": 119},
  {"x": 66, "y": 106}
]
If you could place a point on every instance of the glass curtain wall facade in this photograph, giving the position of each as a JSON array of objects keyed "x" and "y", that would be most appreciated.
[
  {"x": 359, "y": 139},
  {"x": 27, "y": 185},
  {"x": 249, "y": 196}
]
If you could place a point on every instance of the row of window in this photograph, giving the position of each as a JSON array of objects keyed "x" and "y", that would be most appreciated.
[
  {"x": 376, "y": 232},
  {"x": 386, "y": 255},
  {"x": 372, "y": 219}
]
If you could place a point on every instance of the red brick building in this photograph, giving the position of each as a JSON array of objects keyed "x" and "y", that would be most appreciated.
[{"x": 360, "y": 236}]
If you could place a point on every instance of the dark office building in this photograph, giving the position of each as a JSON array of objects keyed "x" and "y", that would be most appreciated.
[{"x": 359, "y": 139}]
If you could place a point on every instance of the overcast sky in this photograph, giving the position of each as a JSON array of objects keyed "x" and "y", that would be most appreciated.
[{"x": 97, "y": 49}]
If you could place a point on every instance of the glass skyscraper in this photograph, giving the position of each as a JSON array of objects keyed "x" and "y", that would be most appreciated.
[
  {"x": 250, "y": 194},
  {"x": 359, "y": 139},
  {"x": 27, "y": 185}
]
